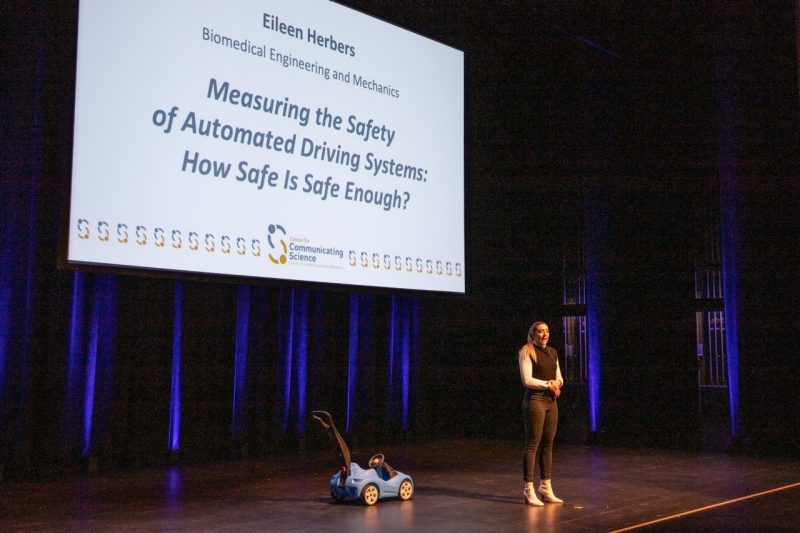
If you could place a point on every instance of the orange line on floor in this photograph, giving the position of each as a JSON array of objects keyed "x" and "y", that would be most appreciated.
[{"x": 707, "y": 507}]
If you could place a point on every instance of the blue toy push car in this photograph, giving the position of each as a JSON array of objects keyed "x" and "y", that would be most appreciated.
[{"x": 369, "y": 485}]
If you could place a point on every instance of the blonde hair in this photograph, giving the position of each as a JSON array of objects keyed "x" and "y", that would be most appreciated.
[
  {"x": 528, "y": 351},
  {"x": 528, "y": 348}
]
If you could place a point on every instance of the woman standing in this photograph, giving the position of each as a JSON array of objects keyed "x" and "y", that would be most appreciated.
[{"x": 541, "y": 376}]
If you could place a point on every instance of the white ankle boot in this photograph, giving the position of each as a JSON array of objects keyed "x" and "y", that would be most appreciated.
[
  {"x": 530, "y": 495},
  {"x": 546, "y": 492}
]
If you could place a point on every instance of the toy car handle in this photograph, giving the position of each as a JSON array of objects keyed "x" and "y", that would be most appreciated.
[
  {"x": 318, "y": 416},
  {"x": 326, "y": 421}
]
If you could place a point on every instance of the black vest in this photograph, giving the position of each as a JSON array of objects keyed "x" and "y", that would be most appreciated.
[{"x": 544, "y": 367}]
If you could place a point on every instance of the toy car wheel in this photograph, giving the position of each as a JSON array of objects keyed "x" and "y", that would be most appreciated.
[
  {"x": 406, "y": 490},
  {"x": 370, "y": 494},
  {"x": 337, "y": 496}
]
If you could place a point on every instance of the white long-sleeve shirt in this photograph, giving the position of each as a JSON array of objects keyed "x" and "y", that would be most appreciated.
[{"x": 526, "y": 371}]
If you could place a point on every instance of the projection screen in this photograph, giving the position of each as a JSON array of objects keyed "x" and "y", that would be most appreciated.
[{"x": 294, "y": 140}]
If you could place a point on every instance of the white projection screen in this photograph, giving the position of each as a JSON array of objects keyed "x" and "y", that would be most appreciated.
[{"x": 279, "y": 140}]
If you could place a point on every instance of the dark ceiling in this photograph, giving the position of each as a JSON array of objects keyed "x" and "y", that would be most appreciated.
[{"x": 547, "y": 82}]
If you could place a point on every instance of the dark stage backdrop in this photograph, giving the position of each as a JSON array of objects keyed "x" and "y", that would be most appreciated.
[{"x": 620, "y": 123}]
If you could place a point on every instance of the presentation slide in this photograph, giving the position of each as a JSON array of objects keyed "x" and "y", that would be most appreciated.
[{"x": 296, "y": 140}]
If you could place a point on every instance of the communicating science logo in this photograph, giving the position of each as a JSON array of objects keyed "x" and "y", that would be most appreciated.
[{"x": 280, "y": 249}]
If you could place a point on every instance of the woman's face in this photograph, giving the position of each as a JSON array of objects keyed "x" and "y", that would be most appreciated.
[{"x": 541, "y": 334}]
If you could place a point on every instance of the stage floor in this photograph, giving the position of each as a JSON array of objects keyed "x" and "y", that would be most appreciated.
[{"x": 464, "y": 485}]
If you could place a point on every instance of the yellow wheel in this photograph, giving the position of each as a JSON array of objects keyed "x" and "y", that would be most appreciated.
[
  {"x": 406, "y": 490},
  {"x": 370, "y": 494}
]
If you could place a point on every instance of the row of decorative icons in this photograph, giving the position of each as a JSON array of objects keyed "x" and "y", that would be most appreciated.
[
  {"x": 385, "y": 261},
  {"x": 160, "y": 238}
]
